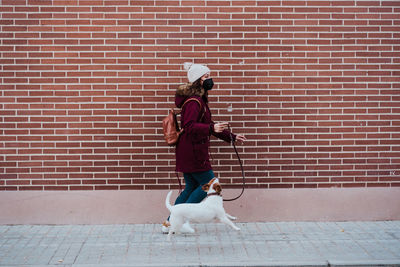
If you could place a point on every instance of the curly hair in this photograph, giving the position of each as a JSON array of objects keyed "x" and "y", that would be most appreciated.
[{"x": 190, "y": 89}]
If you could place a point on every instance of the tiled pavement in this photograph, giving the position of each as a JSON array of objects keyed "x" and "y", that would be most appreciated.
[{"x": 257, "y": 244}]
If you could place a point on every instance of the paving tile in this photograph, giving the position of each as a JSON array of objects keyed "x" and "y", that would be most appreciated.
[{"x": 257, "y": 244}]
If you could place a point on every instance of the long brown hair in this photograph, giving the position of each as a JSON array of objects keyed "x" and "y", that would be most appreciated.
[{"x": 189, "y": 89}]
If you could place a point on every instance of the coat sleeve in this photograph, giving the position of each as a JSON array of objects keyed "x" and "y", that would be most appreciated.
[
  {"x": 191, "y": 113},
  {"x": 197, "y": 130},
  {"x": 225, "y": 135}
]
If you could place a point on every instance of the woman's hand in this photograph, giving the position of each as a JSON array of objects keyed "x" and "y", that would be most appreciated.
[
  {"x": 220, "y": 126},
  {"x": 240, "y": 138}
]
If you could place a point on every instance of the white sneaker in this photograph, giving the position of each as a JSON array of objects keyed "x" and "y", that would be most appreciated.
[{"x": 165, "y": 227}]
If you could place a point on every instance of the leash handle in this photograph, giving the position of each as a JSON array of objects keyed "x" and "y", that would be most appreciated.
[{"x": 241, "y": 166}]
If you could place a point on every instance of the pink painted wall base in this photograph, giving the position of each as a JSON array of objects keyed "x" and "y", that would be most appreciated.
[{"x": 136, "y": 206}]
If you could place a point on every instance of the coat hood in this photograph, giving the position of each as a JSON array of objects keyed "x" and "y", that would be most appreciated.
[
  {"x": 184, "y": 91},
  {"x": 179, "y": 100}
]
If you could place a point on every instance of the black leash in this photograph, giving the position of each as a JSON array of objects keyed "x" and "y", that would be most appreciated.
[
  {"x": 241, "y": 167},
  {"x": 179, "y": 181}
]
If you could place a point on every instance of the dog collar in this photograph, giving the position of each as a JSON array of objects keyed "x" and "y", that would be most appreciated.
[{"x": 214, "y": 194}]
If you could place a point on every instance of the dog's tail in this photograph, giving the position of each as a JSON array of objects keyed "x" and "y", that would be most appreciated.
[{"x": 167, "y": 201}]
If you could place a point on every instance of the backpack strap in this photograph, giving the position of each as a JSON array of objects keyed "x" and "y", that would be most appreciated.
[
  {"x": 191, "y": 99},
  {"x": 195, "y": 99}
]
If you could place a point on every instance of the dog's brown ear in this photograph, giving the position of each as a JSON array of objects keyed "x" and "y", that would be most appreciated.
[
  {"x": 205, "y": 187},
  {"x": 217, "y": 188}
]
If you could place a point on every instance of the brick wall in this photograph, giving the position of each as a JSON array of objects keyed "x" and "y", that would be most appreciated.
[{"x": 314, "y": 85}]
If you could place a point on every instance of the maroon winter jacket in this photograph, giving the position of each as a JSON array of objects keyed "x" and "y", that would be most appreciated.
[{"x": 192, "y": 150}]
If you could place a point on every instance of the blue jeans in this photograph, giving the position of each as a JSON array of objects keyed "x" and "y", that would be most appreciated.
[{"x": 193, "y": 183}]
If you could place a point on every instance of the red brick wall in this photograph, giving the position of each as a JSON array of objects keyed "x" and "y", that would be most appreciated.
[{"x": 314, "y": 85}]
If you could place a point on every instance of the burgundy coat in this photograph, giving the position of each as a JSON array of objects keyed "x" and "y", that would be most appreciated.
[{"x": 192, "y": 150}]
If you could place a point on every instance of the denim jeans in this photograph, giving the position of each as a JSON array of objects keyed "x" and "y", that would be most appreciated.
[{"x": 193, "y": 183}]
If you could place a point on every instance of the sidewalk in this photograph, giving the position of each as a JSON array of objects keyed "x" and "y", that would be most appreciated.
[{"x": 257, "y": 244}]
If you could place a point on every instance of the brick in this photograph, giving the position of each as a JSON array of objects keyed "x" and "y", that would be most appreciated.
[{"x": 313, "y": 85}]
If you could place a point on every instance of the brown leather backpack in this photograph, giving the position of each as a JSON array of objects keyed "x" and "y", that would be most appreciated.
[{"x": 171, "y": 127}]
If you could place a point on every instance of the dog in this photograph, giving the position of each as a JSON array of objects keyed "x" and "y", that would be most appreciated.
[{"x": 206, "y": 211}]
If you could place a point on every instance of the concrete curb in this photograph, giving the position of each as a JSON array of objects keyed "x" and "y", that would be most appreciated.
[
  {"x": 391, "y": 263},
  {"x": 378, "y": 263}
]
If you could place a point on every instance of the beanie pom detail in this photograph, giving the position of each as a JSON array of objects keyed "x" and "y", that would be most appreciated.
[{"x": 187, "y": 65}]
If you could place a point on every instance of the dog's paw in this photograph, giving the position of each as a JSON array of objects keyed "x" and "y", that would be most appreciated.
[
  {"x": 187, "y": 229},
  {"x": 233, "y": 218}
]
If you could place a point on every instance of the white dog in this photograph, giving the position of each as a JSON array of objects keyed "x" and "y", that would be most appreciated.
[{"x": 208, "y": 210}]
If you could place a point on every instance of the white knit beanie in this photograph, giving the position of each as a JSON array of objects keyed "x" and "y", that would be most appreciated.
[{"x": 195, "y": 71}]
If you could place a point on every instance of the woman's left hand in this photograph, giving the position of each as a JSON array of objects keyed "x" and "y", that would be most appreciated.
[{"x": 240, "y": 138}]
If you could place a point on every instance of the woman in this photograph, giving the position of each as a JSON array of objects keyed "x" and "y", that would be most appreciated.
[{"x": 192, "y": 157}]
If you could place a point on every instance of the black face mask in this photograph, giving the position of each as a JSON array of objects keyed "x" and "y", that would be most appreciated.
[{"x": 208, "y": 84}]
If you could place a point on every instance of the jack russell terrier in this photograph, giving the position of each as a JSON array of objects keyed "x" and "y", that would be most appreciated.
[{"x": 206, "y": 211}]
